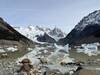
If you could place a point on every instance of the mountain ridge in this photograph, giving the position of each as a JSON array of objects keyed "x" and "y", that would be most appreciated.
[
  {"x": 7, "y": 32},
  {"x": 86, "y": 31},
  {"x": 40, "y": 34}
]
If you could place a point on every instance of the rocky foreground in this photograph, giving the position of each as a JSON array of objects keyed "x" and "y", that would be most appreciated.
[{"x": 11, "y": 68}]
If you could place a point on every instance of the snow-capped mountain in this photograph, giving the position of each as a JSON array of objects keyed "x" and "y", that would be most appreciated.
[
  {"x": 52, "y": 37},
  {"x": 30, "y": 31},
  {"x": 92, "y": 18},
  {"x": 86, "y": 31},
  {"x": 36, "y": 32},
  {"x": 57, "y": 34}
]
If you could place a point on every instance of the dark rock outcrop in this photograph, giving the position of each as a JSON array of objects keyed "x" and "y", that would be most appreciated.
[{"x": 46, "y": 38}]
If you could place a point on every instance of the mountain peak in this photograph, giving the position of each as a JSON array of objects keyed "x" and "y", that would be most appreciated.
[
  {"x": 90, "y": 19},
  {"x": 56, "y": 29},
  {"x": 57, "y": 32}
]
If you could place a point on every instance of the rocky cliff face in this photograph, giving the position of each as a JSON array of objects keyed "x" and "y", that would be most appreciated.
[{"x": 46, "y": 38}]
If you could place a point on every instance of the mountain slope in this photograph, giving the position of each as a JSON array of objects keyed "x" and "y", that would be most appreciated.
[
  {"x": 86, "y": 31},
  {"x": 10, "y": 34}
]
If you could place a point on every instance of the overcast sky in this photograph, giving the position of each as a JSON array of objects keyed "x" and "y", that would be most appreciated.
[{"x": 64, "y": 14}]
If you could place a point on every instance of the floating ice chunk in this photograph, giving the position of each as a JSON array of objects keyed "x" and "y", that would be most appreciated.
[
  {"x": 89, "y": 49},
  {"x": 2, "y": 50},
  {"x": 45, "y": 51},
  {"x": 60, "y": 47},
  {"x": 12, "y": 49}
]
